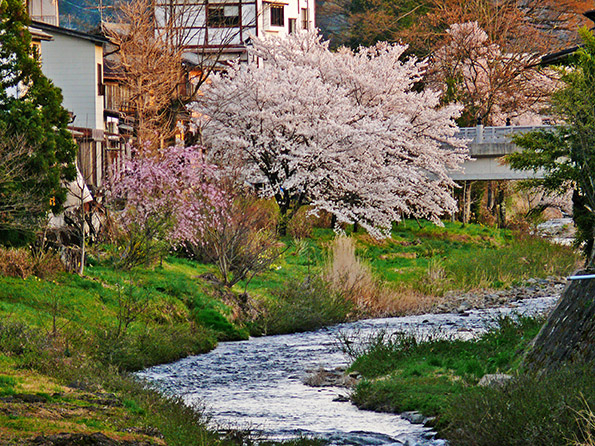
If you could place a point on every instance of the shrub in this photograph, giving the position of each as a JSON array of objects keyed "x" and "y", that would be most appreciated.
[
  {"x": 302, "y": 306},
  {"x": 239, "y": 239},
  {"x": 302, "y": 224},
  {"x": 15, "y": 262}
]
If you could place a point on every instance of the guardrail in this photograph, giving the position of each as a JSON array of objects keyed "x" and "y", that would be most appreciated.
[{"x": 494, "y": 135}]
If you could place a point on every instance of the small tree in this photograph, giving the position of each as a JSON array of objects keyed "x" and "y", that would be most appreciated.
[
  {"x": 151, "y": 40},
  {"x": 239, "y": 238},
  {"x": 348, "y": 132},
  {"x": 566, "y": 155},
  {"x": 492, "y": 83},
  {"x": 31, "y": 119},
  {"x": 161, "y": 202}
]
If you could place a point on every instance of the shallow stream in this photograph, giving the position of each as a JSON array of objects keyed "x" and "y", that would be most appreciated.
[{"x": 257, "y": 384}]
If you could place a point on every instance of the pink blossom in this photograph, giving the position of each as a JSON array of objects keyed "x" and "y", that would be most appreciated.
[{"x": 172, "y": 191}]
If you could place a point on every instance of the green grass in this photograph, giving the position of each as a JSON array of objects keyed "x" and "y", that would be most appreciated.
[
  {"x": 70, "y": 329},
  {"x": 402, "y": 374},
  {"x": 545, "y": 410}
]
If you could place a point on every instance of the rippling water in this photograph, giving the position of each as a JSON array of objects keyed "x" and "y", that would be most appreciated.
[{"x": 258, "y": 383}]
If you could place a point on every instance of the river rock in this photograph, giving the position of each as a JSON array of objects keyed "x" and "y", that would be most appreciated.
[
  {"x": 459, "y": 302},
  {"x": 331, "y": 378},
  {"x": 413, "y": 417},
  {"x": 494, "y": 380}
]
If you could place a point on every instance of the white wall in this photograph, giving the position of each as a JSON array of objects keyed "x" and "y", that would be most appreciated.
[
  {"x": 292, "y": 10},
  {"x": 71, "y": 63},
  {"x": 44, "y": 11}
]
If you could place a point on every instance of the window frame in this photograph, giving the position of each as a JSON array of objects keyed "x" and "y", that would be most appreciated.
[
  {"x": 223, "y": 21},
  {"x": 277, "y": 15}
]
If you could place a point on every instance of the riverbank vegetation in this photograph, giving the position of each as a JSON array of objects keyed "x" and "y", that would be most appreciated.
[
  {"x": 67, "y": 341},
  {"x": 439, "y": 378}
]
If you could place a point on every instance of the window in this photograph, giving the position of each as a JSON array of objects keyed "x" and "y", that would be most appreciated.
[
  {"x": 223, "y": 16},
  {"x": 277, "y": 18},
  {"x": 292, "y": 26},
  {"x": 100, "y": 85},
  {"x": 304, "y": 18}
]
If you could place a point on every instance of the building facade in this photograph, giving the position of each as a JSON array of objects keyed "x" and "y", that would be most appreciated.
[{"x": 224, "y": 27}]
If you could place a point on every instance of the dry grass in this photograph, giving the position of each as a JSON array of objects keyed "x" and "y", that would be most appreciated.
[
  {"x": 586, "y": 421},
  {"x": 371, "y": 298},
  {"x": 22, "y": 263}
]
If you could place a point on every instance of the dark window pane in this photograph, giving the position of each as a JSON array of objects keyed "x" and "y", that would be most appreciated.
[
  {"x": 223, "y": 16},
  {"x": 277, "y": 18}
]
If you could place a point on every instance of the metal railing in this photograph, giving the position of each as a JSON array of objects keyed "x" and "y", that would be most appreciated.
[
  {"x": 490, "y": 135},
  {"x": 49, "y": 19}
]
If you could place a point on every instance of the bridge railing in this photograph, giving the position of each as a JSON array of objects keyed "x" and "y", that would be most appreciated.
[{"x": 490, "y": 135}]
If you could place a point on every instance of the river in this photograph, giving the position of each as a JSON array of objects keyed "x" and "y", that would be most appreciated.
[{"x": 257, "y": 383}]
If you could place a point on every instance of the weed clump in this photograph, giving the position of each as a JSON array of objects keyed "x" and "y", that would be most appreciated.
[{"x": 302, "y": 306}]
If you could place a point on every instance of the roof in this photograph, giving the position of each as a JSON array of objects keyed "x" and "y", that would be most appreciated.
[
  {"x": 560, "y": 56},
  {"x": 37, "y": 34},
  {"x": 51, "y": 29}
]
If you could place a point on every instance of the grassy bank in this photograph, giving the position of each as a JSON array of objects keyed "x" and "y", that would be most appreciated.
[
  {"x": 401, "y": 374},
  {"x": 439, "y": 379},
  {"x": 68, "y": 342}
]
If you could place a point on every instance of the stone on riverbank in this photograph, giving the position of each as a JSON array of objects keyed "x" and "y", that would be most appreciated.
[
  {"x": 494, "y": 380},
  {"x": 458, "y": 302},
  {"x": 331, "y": 378}
]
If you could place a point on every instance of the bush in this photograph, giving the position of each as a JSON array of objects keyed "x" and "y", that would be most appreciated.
[
  {"x": 15, "y": 262},
  {"x": 302, "y": 306},
  {"x": 532, "y": 410},
  {"x": 302, "y": 224}
]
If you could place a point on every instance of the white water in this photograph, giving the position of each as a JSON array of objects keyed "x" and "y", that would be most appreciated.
[{"x": 257, "y": 383}]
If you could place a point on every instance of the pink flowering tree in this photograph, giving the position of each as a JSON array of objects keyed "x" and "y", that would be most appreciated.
[
  {"x": 163, "y": 201},
  {"x": 348, "y": 132},
  {"x": 491, "y": 83}
]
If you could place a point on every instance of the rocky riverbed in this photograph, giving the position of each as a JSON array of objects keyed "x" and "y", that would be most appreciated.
[{"x": 457, "y": 302}]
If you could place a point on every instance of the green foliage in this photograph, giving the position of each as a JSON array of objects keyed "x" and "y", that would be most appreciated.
[
  {"x": 213, "y": 319},
  {"x": 302, "y": 306},
  {"x": 35, "y": 118},
  {"x": 402, "y": 373},
  {"x": 538, "y": 410},
  {"x": 566, "y": 154}
]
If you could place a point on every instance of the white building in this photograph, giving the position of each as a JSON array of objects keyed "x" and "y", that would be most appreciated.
[
  {"x": 224, "y": 27},
  {"x": 74, "y": 62},
  {"x": 45, "y": 11}
]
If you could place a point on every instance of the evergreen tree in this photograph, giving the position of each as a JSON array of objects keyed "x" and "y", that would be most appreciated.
[
  {"x": 566, "y": 154},
  {"x": 31, "y": 115}
]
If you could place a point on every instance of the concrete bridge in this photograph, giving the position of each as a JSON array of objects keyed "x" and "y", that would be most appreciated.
[{"x": 486, "y": 146}]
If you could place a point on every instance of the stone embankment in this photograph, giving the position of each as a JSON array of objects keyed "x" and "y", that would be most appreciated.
[{"x": 457, "y": 302}]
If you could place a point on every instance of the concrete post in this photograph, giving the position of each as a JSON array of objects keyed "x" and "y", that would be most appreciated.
[{"x": 479, "y": 134}]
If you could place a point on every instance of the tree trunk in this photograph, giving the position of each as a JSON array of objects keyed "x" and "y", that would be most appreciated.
[{"x": 467, "y": 201}]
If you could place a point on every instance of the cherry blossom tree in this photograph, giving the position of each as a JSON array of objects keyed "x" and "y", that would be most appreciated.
[
  {"x": 473, "y": 69},
  {"x": 165, "y": 198},
  {"x": 349, "y": 132}
]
